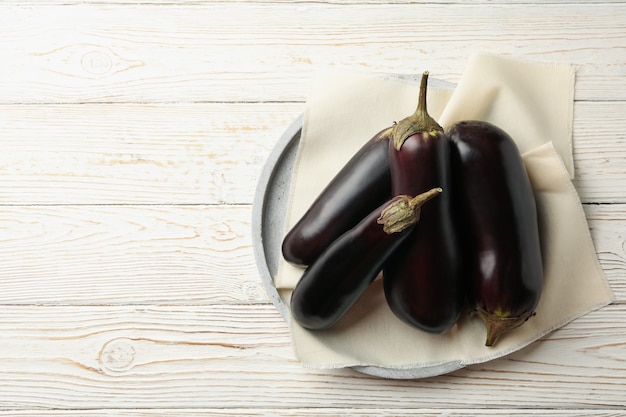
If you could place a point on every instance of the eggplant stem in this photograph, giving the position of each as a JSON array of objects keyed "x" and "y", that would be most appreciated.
[
  {"x": 419, "y": 200},
  {"x": 404, "y": 211},
  {"x": 498, "y": 325},
  {"x": 420, "y": 121},
  {"x": 422, "y": 108}
]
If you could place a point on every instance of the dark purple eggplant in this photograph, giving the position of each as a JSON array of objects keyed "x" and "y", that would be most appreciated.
[
  {"x": 358, "y": 188},
  {"x": 342, "y": 273},
  {"x": 496, "y": 208},
  {"x": 422, "y": 279}
]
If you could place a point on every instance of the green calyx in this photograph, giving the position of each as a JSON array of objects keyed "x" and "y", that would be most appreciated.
[
  {"x": 499, "y": 322},
  {"x": 420, "y": 121},
  {"x": 404, "y": 211}
]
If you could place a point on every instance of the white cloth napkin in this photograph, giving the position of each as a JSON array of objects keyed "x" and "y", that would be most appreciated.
[{"x": 531, "y": 101}]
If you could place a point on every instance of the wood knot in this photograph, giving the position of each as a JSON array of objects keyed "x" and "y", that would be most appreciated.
[
  {"x": 117, "y": 355},
  {"x": 86, "y": 61},
  {"x": 97, "y": 62}
]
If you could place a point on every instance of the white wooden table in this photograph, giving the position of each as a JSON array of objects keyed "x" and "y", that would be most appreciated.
[{"x": 132, "y": 134}]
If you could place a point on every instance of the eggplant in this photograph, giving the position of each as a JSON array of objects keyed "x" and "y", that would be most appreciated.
[
  {"x": 496, "y": 207},
  {"x": 358, "y": 188},
  {"x": 331, "y": 285},
  {"x": 422, "y": 280}
]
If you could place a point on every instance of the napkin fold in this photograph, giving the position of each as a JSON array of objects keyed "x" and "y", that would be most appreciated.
[{"x": 531, "y": 101}]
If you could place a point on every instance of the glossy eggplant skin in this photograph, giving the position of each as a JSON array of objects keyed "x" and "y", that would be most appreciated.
[
  {"x": 496, "y": 209},
  {"x": 358, "y": 188},
  {"x": 334, "y": 282},
  {"x": 422, "y": 279}
]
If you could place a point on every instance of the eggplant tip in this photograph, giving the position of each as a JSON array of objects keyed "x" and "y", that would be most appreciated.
[{"x": 497, "y": 326}]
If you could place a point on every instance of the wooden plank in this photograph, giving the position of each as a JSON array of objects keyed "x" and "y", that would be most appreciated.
[
  {"x": 607, "y": 224},
  {"x": 77, "y": 357},
  {"x": 599, "y": 151},
  {"x": 173, "y": 254},
  {"x": 115, "y": 53},
  {"x": 209, "y": 153},
  {"x": 127, "y": 254},
  {"x": 137, "y": 154},
  {"x": 352, "y": 3},
  {"x": 289, "y": 412}
]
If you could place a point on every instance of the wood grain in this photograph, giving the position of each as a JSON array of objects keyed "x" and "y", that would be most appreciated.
[
  {"x": 599, "y": 158},
  {"x": 209, "y": 153},
  {"x": 137, "y": 154},
  {"x": 607, "y": 224},
  {"x": 227, "y": 355},
  {"x": 132, "y": 134},
  {"x": 326, "y": 2},
  {"x": 127, "y": 255},
  {"x": 200, "y": 52},
  {"x": 172, "y": 255},
  {"x": 293, "y": 412}
]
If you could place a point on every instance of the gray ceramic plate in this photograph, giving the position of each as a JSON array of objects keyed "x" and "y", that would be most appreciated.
[{"x": 268, "y": 214}]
